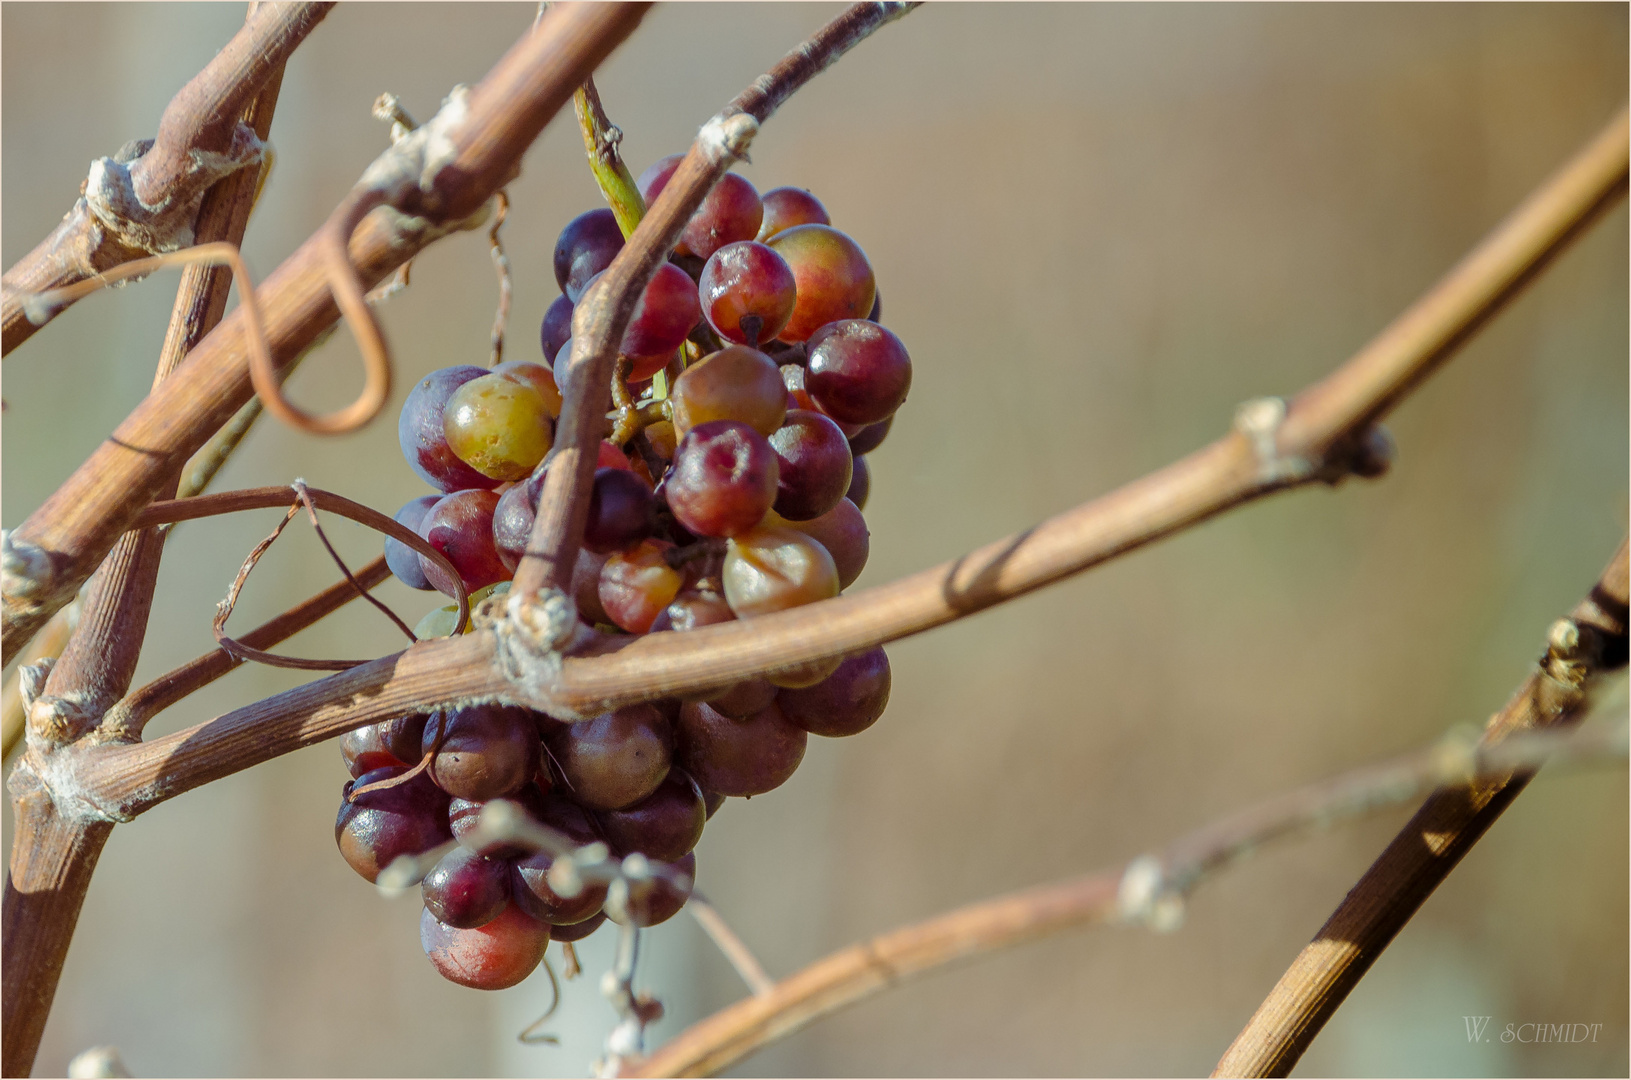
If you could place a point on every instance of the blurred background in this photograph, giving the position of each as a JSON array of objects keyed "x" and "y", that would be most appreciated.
[{"x": 1097, "y": 229}]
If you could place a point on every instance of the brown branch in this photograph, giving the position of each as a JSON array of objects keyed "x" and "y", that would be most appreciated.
[
  {"x": 124, "y": 722},
  {"x": 603, "y": 313},
  {"x": 1151, "y": 891},
  {"x": 199, "y": 128},
  {"x": 1590, "y": 641},
  {"x": 483, "y": 132}
]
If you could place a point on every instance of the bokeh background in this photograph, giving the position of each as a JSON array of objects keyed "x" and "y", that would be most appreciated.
[{"x": 1097, "y": 228}]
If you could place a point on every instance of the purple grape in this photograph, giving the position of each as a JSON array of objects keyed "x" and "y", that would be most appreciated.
[
  {"x": 813, "y": 468},
  {"x": 586, "y": 247},
  {"x": 744, "y": 699},
  {"x": 557, "y": 328},
  {"x": 723, "y": 479},
  {"x": 579, "y": 930},
  {"x": 870, "y": 437},
  {"x": 512, "y": 522},
  {"x": 739, "y": 757},
  {"x": 464, "y": 814},
  {"x": 422, "y": 435},
  {"x": 656, "y": 901},
  {"x": 747, "y": 293},
  {"x": 377, "y": 746},
  {"x": 845, "y": 702},
  {"x": 484, "y": 752},
  {"x": 460, "y": 526},
  {"x": 465, "y": 890},
  {"x": 402, "y": 559},
  {"x": 860, "y": 484},
  {"x": 622, "y": 511},
  {"x": 377, "y": 827},
  {"x": 529, "y": 883},
  {"x": 712, "y": 800},
  {"x": 615, "y": 759},
  {"x": 858, "y": 371},
  {"x": 664, "y": 825}
]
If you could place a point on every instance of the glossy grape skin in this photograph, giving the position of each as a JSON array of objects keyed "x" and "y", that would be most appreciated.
[
  {"x": 494, "y": 956},
  {"x": 739, "y": 757},
  {"x": 579, "y": 930},
  {"x": 379, "y": 826},
  {"x": 556, "y": 329},
  {"x": 460, "y": 526},
  {"x": 463, "y": 815},
  {"x": 635, "y": 585},
  {"x": 465, "y": 890},
  {"x": 421, "y": 434},
  {"x": 529, "y": 879},
  {"x": 843, "y": 532},
  {"x": 378, "y": 746},
  {"x": 723, "y": 480},
  {"x": 858, "y": 371},
  {"x": 512, "y": 523},
  {"x": 664, "y": 825},
  {"x": 798, "y": 397},
  {"x": 834, "y": 279},
  {"x": 730, "y": 212},
  {"x": 402, "y": 559},
  {"x": 847, "y": 702},
  {"x": 812, "y": 465},
  {"x": 537, "y": 376},
  {"x": 487, "y": 751},
  {"x": 771, "y": 569},
  {"x": 735, "y": 383},
  {"x": 616, "y": 759},
  {"x": 499, "y": 426},
  {"x": 747, "y": 281},
  {"x": 654, "y": 900},
  {"x": 870, "y": 437},
  {"x": 860, "y": 483},
  {"x": 586, "y": 247},
  {"x": 622, "y": 511},
  {"x": 667, "y": 311},
  {"x": 786, "y": 207}
]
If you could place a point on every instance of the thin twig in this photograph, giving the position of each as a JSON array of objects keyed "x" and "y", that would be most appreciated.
[
  {"x": 1590, "y": 642},
  {"x": 1151, "y": 891},
  {"x": 735, "y": 949},
  {"x": 47, "y": 645},
  {"x": 501, "y": 264}
]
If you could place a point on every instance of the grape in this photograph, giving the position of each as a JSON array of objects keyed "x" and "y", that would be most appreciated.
[
  {"x": 460, "y": 526},
  {"x": 771, "y": 569},
  {"x": 465, "y": 890},
  {"x": 557, "y": 328},
  {"x": 379, "y": 826},
  {"x": 860, "y": 484},
  {"x": 622, "y": 511},
  {"x": 730, "y": 212},
  {"x": 843, "y": 532},
  {"x": 735, "y": 383},
  {"x": 486, "y": 751},
  {"x": 662, "y": 826},
  {"x": 495, "y": 956},
  {"x": 654, "y": 900},
  {"x": 512, "y": 523},
  {"x": 713, "y": 800},
  {"x": 739, "y": 757},
  {"x": 529, "y": 883},
  {"x": 586, "y": 247},
  {"x": 635, "y": 585},
  {"x": 747, "y": 292},
  {"x": 744, "y": 699},
  {"x": 579, "y": 930},
  {"x": 499, "y": 426},
  {"x": 464, "y": 814},
  {"x": 876, "y": 314},
  {"x": 834, "y": 279},
  {"x": 858, "y": 371},
  {"x": 665, "y": 314},
  {"x": 539, "y": 377},
  {"x": 812, "y": 465},
  {"x": 585, "y": 589},
  {"x": 808, "y": 673},
  {"x": 420, "y": 431},
  {"x": 691, "y": 609},
  {"x": 615, "y": 759},
  {"x": 786, "y": 207},
  {"x": 798, "y": 397},
  {"x": 402, "y": 559},
  {"x": 870, "y": 437},
  {"x": 376, "y": 746},
  {"x": 846, "y": 702},
  {"x": 723, "y": 480}
]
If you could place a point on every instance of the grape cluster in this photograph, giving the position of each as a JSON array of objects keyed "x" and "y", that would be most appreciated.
[{"x": 761, "y": 374}]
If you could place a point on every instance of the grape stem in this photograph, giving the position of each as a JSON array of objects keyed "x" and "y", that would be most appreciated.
[
  {"x": 1151, "y": 890},
  {"x": 600, "y": 141}
]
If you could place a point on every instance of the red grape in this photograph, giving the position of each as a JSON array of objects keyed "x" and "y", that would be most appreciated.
[
  {"x": 812, "y": 465},
  {"x": 858, "y": 371},
  {"x": 420, "y": 431},
  {"x": 495, "y": 956},
  {"x": 529, "y": 883},
  {"x": 723, "y": 480},
  {"x": 664, "y": 825},
  {"x": 465, "y": 890},
  {"x": 739, "y": 757},
  {"x": 379, "y": 826},
  {"x": 485, "y": 752},
  {"x": 835, "y": 281},
  {"x": 666, "y": 312},
  {"x": 586, "y": 246},
  {"x": 655, "y": 900},
  {"x": 845, "y": 702},
  {"x": 460, "y": 526},
  {"x": 376, "y": 746},
  {"x": 615, "y": 759},
  {"x": 786, "y": 207},
  {"x": 735, "y": 383},
  {"x": 747, "y": 292},
  {"x": 730, "y": 212}
]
